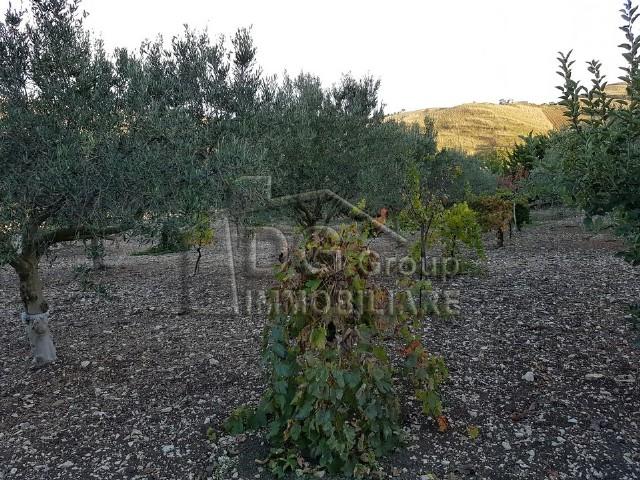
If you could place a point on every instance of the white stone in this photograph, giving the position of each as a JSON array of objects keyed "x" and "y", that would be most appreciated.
[
  {"x": 42, "y": 348},
  {"x": 167, "y": 449},
  {"x": 529, "y": 377}
]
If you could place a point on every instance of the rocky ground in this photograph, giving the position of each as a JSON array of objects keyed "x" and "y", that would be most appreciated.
[{"x": 543, "y": 368}]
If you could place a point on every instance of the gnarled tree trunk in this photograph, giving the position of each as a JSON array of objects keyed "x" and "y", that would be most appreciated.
[{"x": 36, "y": 314}]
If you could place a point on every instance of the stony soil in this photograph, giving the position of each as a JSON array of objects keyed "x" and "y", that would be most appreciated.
[{"x": 541, "y": 357}]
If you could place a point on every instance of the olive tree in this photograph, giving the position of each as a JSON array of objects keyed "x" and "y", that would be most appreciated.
[
  {"x": 92, "y": 144},
  {"x": 59, "y": 150},
  {"x": 318, "y": 138}
]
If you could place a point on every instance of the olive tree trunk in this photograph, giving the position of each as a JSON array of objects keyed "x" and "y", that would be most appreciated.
[{"x": 36, "y": 314}]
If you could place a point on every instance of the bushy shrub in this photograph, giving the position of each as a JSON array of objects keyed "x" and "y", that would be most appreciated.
[
  {"x": 523, "y": 213},
  {"x": 459, "y": 224},
  {"x": 332, "y": 399},
  {"x": 494, "y": 214},
  {"x": 182, "y": 234}
]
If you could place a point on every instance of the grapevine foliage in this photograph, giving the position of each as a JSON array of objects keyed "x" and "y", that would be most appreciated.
[{"x": 332, "y": 401}]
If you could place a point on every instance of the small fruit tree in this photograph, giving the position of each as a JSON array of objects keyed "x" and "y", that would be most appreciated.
[
  {"x": 332, "y": 398},
  {"x": 459, "y": 225},
  {"x": 494, "y": 214}
]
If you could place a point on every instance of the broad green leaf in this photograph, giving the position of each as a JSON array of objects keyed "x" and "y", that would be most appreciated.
[{"x": 318, "y": 338}]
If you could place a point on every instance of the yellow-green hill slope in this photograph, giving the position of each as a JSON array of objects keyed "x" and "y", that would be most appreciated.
[{"x": 477, "y": 127}]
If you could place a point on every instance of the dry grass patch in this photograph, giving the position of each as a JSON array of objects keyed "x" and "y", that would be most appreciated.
[{"x": 477, "y": 127}]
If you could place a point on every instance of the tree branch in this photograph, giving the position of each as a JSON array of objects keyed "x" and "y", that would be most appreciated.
[{"x": 79, "y": 233}]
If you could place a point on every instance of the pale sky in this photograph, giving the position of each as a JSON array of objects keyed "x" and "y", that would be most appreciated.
[{"x": 427, "y": 53}]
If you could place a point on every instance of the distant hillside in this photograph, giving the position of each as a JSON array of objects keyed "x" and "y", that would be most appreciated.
[
  {"x": 617, "y": 90},
  {"x": 478, "y": 127}
]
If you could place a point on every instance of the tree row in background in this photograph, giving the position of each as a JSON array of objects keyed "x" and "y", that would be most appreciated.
[{"x": 94, "y": 143}]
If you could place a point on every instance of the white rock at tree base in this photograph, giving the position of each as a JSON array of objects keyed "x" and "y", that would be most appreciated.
[
  {"x": 529, "y": 377},
  {"x": 85, "y": 364}
]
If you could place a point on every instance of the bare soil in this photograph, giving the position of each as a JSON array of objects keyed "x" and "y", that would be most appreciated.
[{"x": 138, "y": 383}]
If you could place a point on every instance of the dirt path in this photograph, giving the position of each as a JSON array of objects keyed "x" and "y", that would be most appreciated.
[{"x": 137, "y": 384}]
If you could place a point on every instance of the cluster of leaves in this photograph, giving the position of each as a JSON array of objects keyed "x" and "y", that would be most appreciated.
[
  {"x": 522, "y": 212},
  {"x": 438, "y": 183},
  {"x": 332, "y": 399},
  {"x": 95, "y": 143},
  {"x": 595, "y": 163},
  {"x": 526, "y": 155},
  {"x": 180, "y": 234},
  {"x": 544, "y": 184},
  {"x": 494, "y": 214},
  {"x": 459, "y": 224},
  {"x": 130, "y": 138},
  {"x": 84, "y": 275}
]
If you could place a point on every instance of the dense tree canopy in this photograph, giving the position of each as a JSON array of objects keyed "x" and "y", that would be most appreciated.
[{"x": 94, "y": 143}]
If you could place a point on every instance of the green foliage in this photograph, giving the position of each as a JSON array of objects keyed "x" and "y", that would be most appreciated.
[
  {"x": 423, "y": 208},
  {"x": 523, "y": 213},
  {"x": 316, "y": 138},
  {"x": 459, "y": 224},
  {"x": 494, "y": 214},
  {"x": 199, "y": 233},
  {"x": 435, "y": 181},
  {"x": 494, "y": 160},
  {"x": 332, "y": 398},
  {"x": 545, "y": 183},
  {"x": 101, "y": 143},
  {"x": 599, "y": 157},
  {"x": 172, "y": 238},
  {"x": 180, "y": 234},
  {"x": 84, "y": 275},
  {"x": 469, "y": 175},
  {"x": 527, "y": 154}
]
